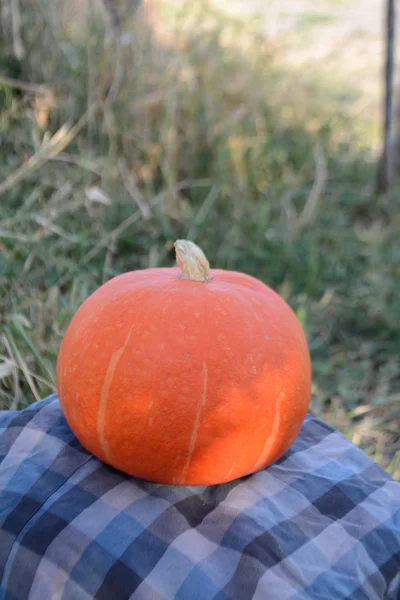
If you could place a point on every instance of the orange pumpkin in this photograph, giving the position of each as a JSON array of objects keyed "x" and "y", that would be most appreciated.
[{"x": 184, "y": 375}]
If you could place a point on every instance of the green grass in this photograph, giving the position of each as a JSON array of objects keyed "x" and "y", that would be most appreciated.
[
  {"x": 201, "y": 135},
  {"x": 310, "y": 19}
]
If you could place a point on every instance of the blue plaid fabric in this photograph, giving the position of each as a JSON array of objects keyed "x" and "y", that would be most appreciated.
[{"x": 323, "y": 522}]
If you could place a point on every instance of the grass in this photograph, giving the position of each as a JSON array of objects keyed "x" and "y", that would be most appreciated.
[
  {"x": 310, "y": 19},
  {"x": 196, "y": 130}
]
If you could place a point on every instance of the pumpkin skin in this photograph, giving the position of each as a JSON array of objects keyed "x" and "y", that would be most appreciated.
[{"x": 185, "y": 382}]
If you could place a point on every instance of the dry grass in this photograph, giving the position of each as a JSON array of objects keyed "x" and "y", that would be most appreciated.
[{"x": 195, "y": 131}]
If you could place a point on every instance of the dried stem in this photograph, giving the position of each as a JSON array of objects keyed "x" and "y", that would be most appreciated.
[{"x": 192, "y": 261}]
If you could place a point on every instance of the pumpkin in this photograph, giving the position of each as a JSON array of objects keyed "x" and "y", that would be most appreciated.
[{"x": 184, "y": 375}]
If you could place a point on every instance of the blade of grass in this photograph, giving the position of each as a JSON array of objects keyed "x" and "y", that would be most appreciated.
[
  {"x": 18, "y": 329},
  {"x": 24, "y": 367}
]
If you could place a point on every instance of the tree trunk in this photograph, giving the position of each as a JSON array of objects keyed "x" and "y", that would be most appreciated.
[{"x": 388, "y": 158}]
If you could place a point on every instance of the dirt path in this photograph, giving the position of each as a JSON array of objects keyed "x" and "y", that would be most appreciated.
[
  {"x": 334, "y": 37},
  {"x": 338, "y": 17}
]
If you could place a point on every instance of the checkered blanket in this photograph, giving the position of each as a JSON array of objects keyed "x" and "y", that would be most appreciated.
[{"x": 323, "y": 522}]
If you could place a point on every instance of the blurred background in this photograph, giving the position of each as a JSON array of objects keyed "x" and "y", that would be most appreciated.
[{"x": 252, "y": 127}]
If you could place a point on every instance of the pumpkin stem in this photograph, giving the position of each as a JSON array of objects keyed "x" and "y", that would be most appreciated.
[{"x": 192, "y": 261}]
